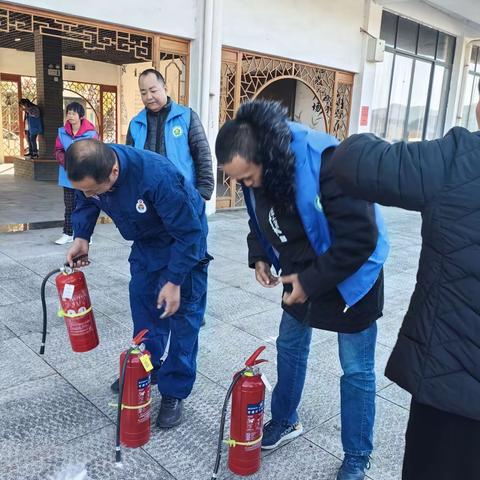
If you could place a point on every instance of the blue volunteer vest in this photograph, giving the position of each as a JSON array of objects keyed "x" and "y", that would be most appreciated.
[
  {"x": 308, "y": 146},
  {"x": 66, "y": 141},
  {"x": 177, "y": 149}
]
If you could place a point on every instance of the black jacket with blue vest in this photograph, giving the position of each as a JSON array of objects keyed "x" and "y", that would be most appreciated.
[{"x": 345, "y": 282}]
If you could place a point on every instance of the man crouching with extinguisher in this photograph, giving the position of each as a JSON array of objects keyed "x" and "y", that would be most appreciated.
[
  {"x": 330, "y": 248},
  {"x": 152, "y": 204}
]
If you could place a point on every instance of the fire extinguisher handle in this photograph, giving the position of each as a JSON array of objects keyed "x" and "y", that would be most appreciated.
[
  {"x": 76, "y": 259},
  {"x": 252, "y": 360},
  {"x": 138, "y": 339},
  {"x": 260, "y": 360}
]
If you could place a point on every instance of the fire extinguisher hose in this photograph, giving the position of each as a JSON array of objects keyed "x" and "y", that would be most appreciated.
[
  {"x": 118, "y": 452},
  {"x": 44, "y": 308},
  {"x": 221, "y": 433}
]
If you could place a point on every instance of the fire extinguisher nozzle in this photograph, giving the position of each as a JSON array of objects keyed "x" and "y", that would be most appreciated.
[
  {"x": 42, "y": 349},
  {"x": 118, "y": 456}
]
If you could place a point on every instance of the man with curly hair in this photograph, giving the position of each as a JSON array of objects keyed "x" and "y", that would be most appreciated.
[{"x": 330, "y": 249}]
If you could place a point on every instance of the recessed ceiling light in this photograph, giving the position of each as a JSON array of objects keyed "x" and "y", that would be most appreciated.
[{"x": 18, "y": 39}]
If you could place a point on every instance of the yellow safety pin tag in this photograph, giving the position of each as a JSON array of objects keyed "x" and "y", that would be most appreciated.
[{"x": 146, "y": 362}]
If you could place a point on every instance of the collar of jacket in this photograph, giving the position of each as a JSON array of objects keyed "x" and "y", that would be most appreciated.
[
  {"x": 175, "y": 111},
  {"x": 122, "y": 165},
  {"x": 85, "y": 126}
]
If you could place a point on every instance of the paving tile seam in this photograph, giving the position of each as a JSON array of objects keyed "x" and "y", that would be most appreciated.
[
  {"x": 389, "y": 400},
  {"x": 269, "y": 309},
  {"x": 6, "y": 389},
  {"x": 19, "y": 261},
  {"x": 385, "y": 345},
  {"x": 158, "y": 463},
  {"x": 66, "y": 381}
]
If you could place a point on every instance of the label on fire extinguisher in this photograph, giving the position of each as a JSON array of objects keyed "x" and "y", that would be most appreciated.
[
  {"x": 68, "y": 291},
  {"x": 255, "y": 408},
  {"x": 146, "y": 362},
  {"x": 143, "y": 382}
]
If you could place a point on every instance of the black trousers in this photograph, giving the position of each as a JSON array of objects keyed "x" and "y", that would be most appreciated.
[
  {"x": 441, "y": 445},
  {"x": 69, "y": 201}
]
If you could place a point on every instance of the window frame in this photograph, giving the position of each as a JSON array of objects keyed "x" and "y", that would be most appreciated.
[{"x": 424, "y": 58}]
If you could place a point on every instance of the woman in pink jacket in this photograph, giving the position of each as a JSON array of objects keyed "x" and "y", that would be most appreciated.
[{"x": 76, "y": 127}]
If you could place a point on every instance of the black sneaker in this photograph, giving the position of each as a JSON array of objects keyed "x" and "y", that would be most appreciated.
[
  {"x": 170, "y": 414},
  {"x": 276, "y": 433},
  {"x": 353, "y": 467},
  {"x": 115, "y": 386}
]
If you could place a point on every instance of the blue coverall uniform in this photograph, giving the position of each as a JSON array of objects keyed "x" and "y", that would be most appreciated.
[{"x": 152, "y": 204}]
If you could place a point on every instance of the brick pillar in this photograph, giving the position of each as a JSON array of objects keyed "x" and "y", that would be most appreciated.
[{"x": 48, "y": 56}]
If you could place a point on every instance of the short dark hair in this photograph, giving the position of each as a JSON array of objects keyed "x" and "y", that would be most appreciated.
[
  {"x": 76, "y": 107},
  {"x": 153, "y": 72},
  {"x": 236, "y": 138},
  {"x": 260, "y": 134},
  {"x": 25, "y": 101},
  {"x": 89, "y": 158}
]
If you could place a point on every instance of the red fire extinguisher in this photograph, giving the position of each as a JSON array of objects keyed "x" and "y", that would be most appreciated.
[
  {"x": 133, "y": 409},
  {"x": 248, "y": 398},
  {"x": 76, "y": 308}
]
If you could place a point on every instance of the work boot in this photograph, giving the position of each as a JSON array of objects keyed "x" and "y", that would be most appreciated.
[
  {"x": 115, "y": 386},
  {"x": 170, "y": 414},
  {"x": 353, "y": 467}
]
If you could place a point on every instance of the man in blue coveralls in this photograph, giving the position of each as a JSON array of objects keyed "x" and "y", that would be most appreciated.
[{"x": 152, "y": 204}]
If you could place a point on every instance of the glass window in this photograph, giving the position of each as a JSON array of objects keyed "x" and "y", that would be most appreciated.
[
  {"x": 388, "y": 29},
  {"x": 382, "y": 92},
  {"x": 407, "y": 35},
  {"x": 474, "y": 67},
  {"x": 399, "y": 98},
  {"x": 412, "y": 84},
  {"x": 469, "y": 119},
  {"x": 472, "y": 118},
  {"x": 438, "y": 102},
  {"x": 427, "y": 42},
  {"x": 445, "y": 48},
  {"x": 471, "y": 96},
  {"x": 418, "y": 100}
]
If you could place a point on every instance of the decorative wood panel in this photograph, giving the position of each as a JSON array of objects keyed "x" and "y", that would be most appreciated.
[{"x": 245, "y": 74}]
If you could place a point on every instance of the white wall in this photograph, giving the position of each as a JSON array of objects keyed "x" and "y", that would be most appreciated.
[
  {"x": 324, "y": 32},
  {"x": 173, "y": 18}
]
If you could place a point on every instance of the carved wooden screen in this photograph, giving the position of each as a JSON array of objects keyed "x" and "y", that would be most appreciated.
[
  {"x": 245, "y": 74},
  {"x": 172, "y": 59}
]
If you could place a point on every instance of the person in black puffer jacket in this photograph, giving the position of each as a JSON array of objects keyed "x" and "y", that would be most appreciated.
[{"x": 437, "y": 354}]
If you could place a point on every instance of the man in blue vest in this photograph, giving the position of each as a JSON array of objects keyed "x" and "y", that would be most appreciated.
[
  {"x": 330, "y": 248},
  {"x": 173, "y": 131},
  {"x": 151, "y": 204}
]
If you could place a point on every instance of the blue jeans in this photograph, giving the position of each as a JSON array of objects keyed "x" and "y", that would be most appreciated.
[{"x": 357, "y": 384}]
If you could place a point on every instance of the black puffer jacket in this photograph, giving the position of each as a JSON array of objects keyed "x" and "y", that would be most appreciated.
[{"x": 437, "y": 355}]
